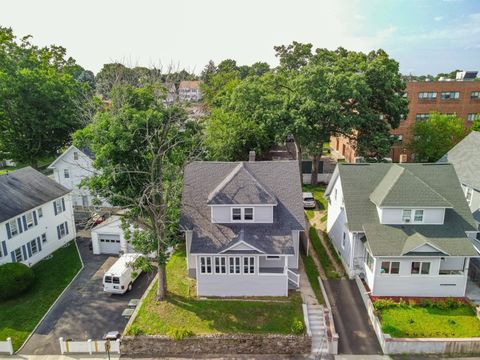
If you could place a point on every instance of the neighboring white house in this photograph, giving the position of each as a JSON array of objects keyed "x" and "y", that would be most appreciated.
[
  {"x": 70, "y": 168},
  {"x": 242, "y": 222},
  {"x": 465, "y": 157},
  {"x": 108, "y": 237},
  {"x": 404, "y": 228},
  {"x": 36, "y": 216},
  {"x": 189, "y": 91}
]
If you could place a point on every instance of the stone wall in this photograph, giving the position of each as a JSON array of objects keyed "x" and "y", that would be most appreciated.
[{"x": 161, "y": 346}]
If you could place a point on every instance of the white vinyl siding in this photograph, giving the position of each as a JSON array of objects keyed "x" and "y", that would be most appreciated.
[{"x": 398, "y": 216}]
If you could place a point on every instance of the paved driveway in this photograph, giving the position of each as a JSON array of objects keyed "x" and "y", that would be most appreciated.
[
  {"x": 84, "y": 311},
  {"x": 351, "y": 320}
]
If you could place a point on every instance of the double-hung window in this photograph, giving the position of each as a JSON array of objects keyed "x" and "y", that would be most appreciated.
[
  {"x": 40, "y": 212},
  {"x": 205, "y": 265},
  {"x": 29, "y": 217},
  {"x": 249, "y": 265},
  {"x": 468, "y": 194},
  {"x": 409, "y": 215},
  {"x": 220, "y": 265},
  {"x": 13, "y": 227},
  {"x": 369, "y": 260},
  {"x": 234, "y": 265},
  {"x": 420, "y": 267},
  {"x": 418, "y": 217},
  {"x": 66, "y": 173},
  {"x": 18, "y": 255},
  {"x": 44, "y": 238},
  {"x": 406, "y": 216},
  {"x": 390, "y": 267},
  {"x": 248, "y": 214},
  {"x": 242, "y": 214},
  {"x": 33, "y": 246},
  {"x": 62, "y": 230},
  {"x": 75, "y": 155},
  {"x": 236, "y": 214}
]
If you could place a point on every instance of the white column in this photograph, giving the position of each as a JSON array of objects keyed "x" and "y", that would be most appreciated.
[
  {"x": 10, "y": 346},
  {"x": 62, "y": 349}
]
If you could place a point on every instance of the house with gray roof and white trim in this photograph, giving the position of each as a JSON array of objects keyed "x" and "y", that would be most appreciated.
[
  {"x": 406, "y": 229},
  {"x": 242, "y": 224},
  {"x": 465, "y": 157}
]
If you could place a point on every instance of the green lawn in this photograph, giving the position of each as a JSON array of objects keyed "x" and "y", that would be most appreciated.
[
  {"x": 416, "y": 321},
  {"x": 312, "y": 275},
  {"x": 42, "y": 165},
  {"x": 182, "y": 310},
  {"x": 19, "y": 316}
]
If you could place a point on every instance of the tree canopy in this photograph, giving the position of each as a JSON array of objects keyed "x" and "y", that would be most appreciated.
[
  {"x": 434, "y": 137},
  {"x": 42, "y": 95}
]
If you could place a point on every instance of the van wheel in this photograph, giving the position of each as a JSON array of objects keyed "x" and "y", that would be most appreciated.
[{"x": 129, "y": 288}]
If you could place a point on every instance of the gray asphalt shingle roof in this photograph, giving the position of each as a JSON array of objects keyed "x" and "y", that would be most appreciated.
[
  {"x": 25, "y": 189},
  {"x": 465, "y": 157},
  {"x": 359, "y": 181},
  {"x": 280, "y": 179}
]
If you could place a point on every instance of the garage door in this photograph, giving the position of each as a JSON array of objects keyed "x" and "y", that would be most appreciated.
[{"x": 109, "y": 244}]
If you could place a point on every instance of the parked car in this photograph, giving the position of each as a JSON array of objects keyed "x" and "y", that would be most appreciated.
[
  {"x": 112, "y": 335},
  {"x": 308, "y": 201},
  {"x": 120, "y": 277}
]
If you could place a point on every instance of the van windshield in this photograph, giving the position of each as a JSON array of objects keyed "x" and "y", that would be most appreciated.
[
  {"x": 108, "y": 279},
  {"x": 116, "y": 280}
]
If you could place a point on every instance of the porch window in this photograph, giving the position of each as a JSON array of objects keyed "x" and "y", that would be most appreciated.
[
  {"x": 234, "y": 265},
  {"x": 420, "y": 268},
  {"x": 205, "y": 265},
  {"x": 220, "y": 265},
  {"x": 249, "y": 265},
  {"x": 390, "y": 267}
]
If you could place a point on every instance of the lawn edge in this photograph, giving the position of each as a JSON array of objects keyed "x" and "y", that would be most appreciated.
[{"x": 56, "y": 300}]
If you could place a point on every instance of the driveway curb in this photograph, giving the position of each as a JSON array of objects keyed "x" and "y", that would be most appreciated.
[{"x": 56, "y": 300}]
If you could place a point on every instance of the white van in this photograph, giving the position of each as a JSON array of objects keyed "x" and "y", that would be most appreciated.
[{"x": 120, "y": 277}]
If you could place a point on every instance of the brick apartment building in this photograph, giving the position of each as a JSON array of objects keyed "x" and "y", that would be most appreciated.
[{"x": 461, "y": 97}]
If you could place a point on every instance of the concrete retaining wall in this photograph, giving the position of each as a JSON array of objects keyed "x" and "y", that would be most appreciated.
[
  {"x": 162, "y": 346},
  {"x": 392, "y": 346}
]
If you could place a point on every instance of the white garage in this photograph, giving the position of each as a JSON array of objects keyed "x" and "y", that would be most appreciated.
[{"x": 108, "y": 238}]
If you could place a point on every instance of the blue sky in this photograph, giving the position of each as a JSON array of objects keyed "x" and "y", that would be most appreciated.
[{"x": 425, "y": 36}]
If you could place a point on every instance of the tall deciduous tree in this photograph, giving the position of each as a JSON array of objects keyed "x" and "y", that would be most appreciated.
[
  {"x": 141, "y": 146},
  {"x": 434, "y": 137},
  {"x": 40, "y": 100}
]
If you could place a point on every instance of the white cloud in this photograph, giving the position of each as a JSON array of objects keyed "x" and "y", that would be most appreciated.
[
  {"x": 438, "y": 18},
  {"x": 359, "y": 17}
]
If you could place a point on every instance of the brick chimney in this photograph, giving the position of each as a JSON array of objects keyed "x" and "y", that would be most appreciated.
[{"x": 251, "y": 156}]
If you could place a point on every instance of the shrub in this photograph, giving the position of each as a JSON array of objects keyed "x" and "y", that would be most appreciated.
[
  {"x": 381, "y": 304},
  {"x": 412, "y": 302},
  {"x": 134, "y": 330},
  {"x": 179, "y": 333},
  {"x": 15, "y": 278},
  {"x": 427, "y": 303},
  {"x": 402, "y": 303},
  {"x": 447, "y": 304},
  {"x": 298, "y": 327}
]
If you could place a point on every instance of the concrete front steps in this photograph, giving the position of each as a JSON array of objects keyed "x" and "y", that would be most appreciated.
[{"x": 316, "y": 322}]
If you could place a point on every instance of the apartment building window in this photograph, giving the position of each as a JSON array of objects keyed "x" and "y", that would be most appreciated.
[
  {"x": 471, "y": 116},
  {"x": 33, "y": 246},
  {"x": 475, "y": 95},
  {"x": 220, "y": 265},
  {"x": 40, "y": 212},
  {"x": 234, "y": 265},
  {"x": 29, "y": 217},
  {"x": 450, "y": 95},
  {"x": 12, "y": 224},
  {"x": 205, "y": 265},
  {"x": 420, "y": 268},
  {"x": 390, "y": 267},
  {"x": 422, "y": 116},
  {"x": 18, "y": 255},
  {"x": 249, "y": 265},
  {"x": 427, "y": 95}
]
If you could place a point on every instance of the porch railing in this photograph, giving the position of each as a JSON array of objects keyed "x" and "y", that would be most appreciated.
[{"x": 293, "y": 277}]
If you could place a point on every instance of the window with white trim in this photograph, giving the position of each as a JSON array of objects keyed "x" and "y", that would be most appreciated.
[
  {"x": 242, "y": 214},
  {"x": 62, "y": 230},
  {"x": 44, "y": 238},
  {"x": 418, "y": 217},
  {"x": 205, "y": 265},
  {"x": 450, "y": 95},
  {"x": 468, "y": 194},
  {"x": 249, "y": 265},
  {"x": 406, "y": 216},
  {"x": 409, "y": 215},
  {"x": 234, "y": 265},
  {"x": 420, "y": 268},
  {"x": 427, "y": 95},
  {"x": 471, "y": 116},
  {"x": 33, "y": 246},
  {"x": 369, "y": 260},
  {"x": 248, "y": 214},
  {"x": 475, "y": 95},
  {"x": 29, "y": 217},
  {"x": 220, "y": 264},
  {"x": 18, "y": 255},
  {"x": 75, "y": 155},
  {"x": 344, "y": 240},
  {"x": 66, "y": 174},
  {"x": 58, "y": 206},
  {"x": 390, "y": 267},
  {"x": 236, "y": 214},
  {"x": 40, "y": 212},
  {"x": 13, "y": 227}
]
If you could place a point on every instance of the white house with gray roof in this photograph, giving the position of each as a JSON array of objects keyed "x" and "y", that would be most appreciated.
[
  {"x": 403, "y": 228},
  {"x": 242, "y": 223},
  {"x": 36, "y": 216},
  {"x": 465, "y": 157}
]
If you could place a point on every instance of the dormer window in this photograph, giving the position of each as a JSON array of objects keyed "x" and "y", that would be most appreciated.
[
  {"x": 242, "y": 214},
  {"x": 407, "y": 216}
]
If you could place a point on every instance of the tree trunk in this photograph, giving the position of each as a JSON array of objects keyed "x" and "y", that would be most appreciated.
[
  {"x": 298, "y": 155},
  {"x": 162, "y": 282},
  {"x": 314, "y": 176}
]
